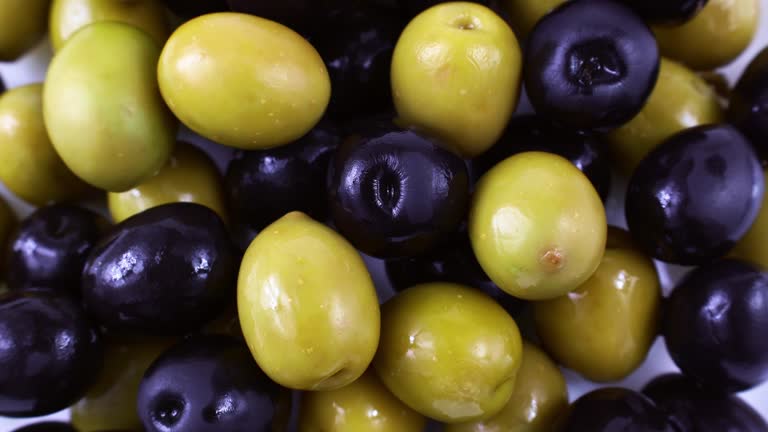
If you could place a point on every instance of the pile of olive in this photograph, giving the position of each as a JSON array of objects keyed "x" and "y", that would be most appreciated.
[{"x": 199, "y": 297}]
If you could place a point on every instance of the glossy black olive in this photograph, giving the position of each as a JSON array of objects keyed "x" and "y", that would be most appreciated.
[
  {"x": 167, "y": 269},
  {"x": 47, "y": 427},
  {"x": 536, "y": 133},
  {"x": 210, "y": 384},
  {"x": 49, "y": 355},
  {"x": 264, "y": 185},
  {"x": 191, "y": 8},
  {"x": 50, "y": 247},
  {"x": 714, "y": 325},
  {"x": 748, "y": 108},
  {"x": 666, "y": 11},
  {"x": 590, "y": 64},
  {"x": 693, "y": 409},
  {"x": 415, "y": 7},
  {"x": 694, "y": 196},
  {"x": 615, "y": 410},
  {"x": 395, "y": 193}
]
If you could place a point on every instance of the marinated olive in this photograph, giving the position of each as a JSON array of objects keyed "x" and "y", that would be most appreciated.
[
  {"x": 713, "y": 320},
  {"x": 752, "y": 247},
  {"x": 49, "y": 355},
  {"x": 525, "y": 14},
  {"x": 537, "y": 226},
  {"x": 50, "y": 248},
  {"x": 47, "y": 427},
  {"x": 7, "y": 225},
  {"x": 671, "y": 12},
  {"x": 449, "y": 352},
  {"x": 749, "y": 99},
  {"x": 24, "y": 24},
  {"x": 695, "y": 195},
  {"x": 395, "y": 193},
  {"x": 210, "y": 384},
  {"x": 167, "y": 269},
  {"x": 590, "y": 64},
  {"x": 191, "y": 8},
  {"x": 615, "y": 410}
]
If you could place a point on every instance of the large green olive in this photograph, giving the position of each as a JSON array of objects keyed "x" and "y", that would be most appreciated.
[
  {"x": 449, "y": 352},
  {"x": 102, "y": 107},
  {"x": 69, "y": 16},
  {"x": 23, "y": 24},
  {"x": 30, "y": 166},
  {"x": 539, "y": 399},
  {"x": 7, "y": 224},
  {"x": 753, "y": 247}
]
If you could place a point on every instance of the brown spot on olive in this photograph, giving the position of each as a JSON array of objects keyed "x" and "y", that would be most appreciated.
[{"x": 552, "y": 259}]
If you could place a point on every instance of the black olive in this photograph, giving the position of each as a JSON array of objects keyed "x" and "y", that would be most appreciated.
[{"x": 615, "y": 410}]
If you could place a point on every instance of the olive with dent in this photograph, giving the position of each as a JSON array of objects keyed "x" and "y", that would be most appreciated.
[
  {"x": 614, "y": 409},
  {"x": 748, "y": 108}
]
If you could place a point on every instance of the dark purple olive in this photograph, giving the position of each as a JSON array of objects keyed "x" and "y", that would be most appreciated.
[
  {"x": 49, "y": 353},
  {"x": 47, "y": 427},
  {"x": 694, "y": 196},
  {"x": 395, "y": 193},
  {"x": 666, "y": 11},
  {"x": 614, "y": 409},
  {"x": 714, "y": 325},
  {"x": 748, "y": 108},
  {"x": 168, "y": 269},
  {"x": 590, "y": 64},
  {"x": 536, "y": 133},
  {"x": 693, "y": 409},
  {"x": 50, "y": 247},
  {"x": 210, "y": 384},
  {"x": 191, "y": 8}
]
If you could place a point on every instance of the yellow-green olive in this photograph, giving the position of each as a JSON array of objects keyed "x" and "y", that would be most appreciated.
[
  {"x": 68, "y": 16},
  {"x": 524, "y": 14},
  {"x": 102, "y": 107},
  {"x": 30, "y": 167},
  {"x": 714, "y": 37},
  {"x": 753, "y": 247},
  {"x": 537, "y": 404},
  {"x": 364, "y": 405},
  {"x": 7, "y": 224},
  {"x": 23, "y": 24},
  {"x": 243, "y": 81},
  {"x": 188, "y": 176},
  {"x": 448, "y": 351},
  {"x": 537, "y": 226}
]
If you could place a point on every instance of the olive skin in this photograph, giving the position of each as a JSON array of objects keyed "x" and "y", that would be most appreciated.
[
  {"x": 24, "y": 23},
  {"x": 167, "y": 269},
  {"x": 187, "y": 9},
  {"x": 31, "y": 168},
  {"x": 590, "y": 64},
  {"x": 210, "y": 384},
  {"x": 710, "y": 321},
  {"x": 50, "y": 247},
  {"x": 613, "y": 409},
  {"x": 523, "y": 15},
  {"x": 47, "y": 427},
  {"x": 748, "y": 102},
  {"x": 49, "y": 356},
  {"x": 395, "y": 193},
  {"x": 694, "y": 196},
  {"x": 691, "y": 409},
  {"x": 415, "y": 7},
  {"x": 535, "y": 133},
  {"x": 7, "y": 225},
  {"x": 673, "y": 12},
  {"x": 752, "y": 246}
]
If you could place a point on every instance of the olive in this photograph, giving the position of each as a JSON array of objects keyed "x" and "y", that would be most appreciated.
[
  {"x": 693, "y": 409},
  {"x": 210, "y": 383},
  {"x": 614, "y": 409},
  {"x": 712, "y": 320},
  {"x": 296, "y": 14},
  {"x": 31, "y": 168},
  {"x": 24, "y": 24},
  {"x": 167, "y": 269},
  {"x": 671, "y": 12},
  {"x": 536, "y": 133},
  {"x": 7, "y": 226},
  {"x": 590, "y": 64},
  {"x": 695, "y": 195},
  {"x": 749, "y": 99},
  {"x": 191, "y": 8},
  {"x": 752, "y": 246},
  {"x": 47, "y": 427},
  {"x": 523, "y": 15},
  {"x": 394, "y": 192},
  {"x": 49, "y": 355},
  {"x": 415, "y": 7}
]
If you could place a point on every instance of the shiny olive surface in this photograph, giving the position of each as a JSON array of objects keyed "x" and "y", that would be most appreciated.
[
  {"x": 752, "y": 247},
  {"x": 210, "y": 384},
  {"x": 535, "y": 133},
  {"x": 7, "y": 225},
  {"x": 187, "y": 9},
  {"x": 31, "y": 168},
  {"x": 449, "y": 352},
  {"x": 24, "y": 24},
  {"x": 364, "y": 405},
  {"x": 167, "y": 269},
  {"x": 590, "y": 64},
  {"x": 692, "y": 409},
  {"x": 615, "y": 410},
  {"x": 523, "y": 15},
  {"x": 394, "y": 192},
  {"x": 49, "y": 355},
  {"x": 680, "y": 100},
  {"x": 672, "y": 12},
  {"x": 47, "y": 427},
  {"x": 188, "y": 176},
  {"x": 748, "y": 108},
  {"x": 539, "y": 401},
  {"x": 693, "y": 197},
  {"x": 712, "y": 322}
]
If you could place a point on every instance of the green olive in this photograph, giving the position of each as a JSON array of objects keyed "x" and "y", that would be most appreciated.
[
  {"x": 536, "y": 405},
  {"x": 31, "y": 168},
  {"x": 103, "y": 110},
  {"x": 364, "y": 405},
  {"x": 7, "y": 224},
  {"x": 753, "y": 246},
  {"x": 188, "y": 176},
  {"x": 537, "y": 226},
  {"x": 307, "y": 305},
  {"x": 243, "y": 81},
  {"x": 714, "y": 37},
  {"x": 448, "y": 351},
  {"x": 23, "y": 24},
  {"x": 604, "y": 329},
  {"x": 69, "y": 16},
  {"x": 524, "y": 14}
]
